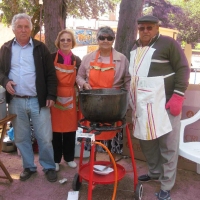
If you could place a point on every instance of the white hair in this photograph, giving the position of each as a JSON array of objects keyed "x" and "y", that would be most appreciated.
[{"x": 21, "y": 16}]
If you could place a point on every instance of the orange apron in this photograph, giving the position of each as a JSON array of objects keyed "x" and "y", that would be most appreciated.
[
  {"x": 64, "y": 113},
  {"x": 101, "y": 75}
]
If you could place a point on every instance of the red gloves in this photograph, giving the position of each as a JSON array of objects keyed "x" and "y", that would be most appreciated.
[{"x": 175, "y": 104}]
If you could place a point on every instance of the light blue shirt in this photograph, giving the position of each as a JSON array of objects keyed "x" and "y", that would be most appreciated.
[{"x": 23, "y": 69}]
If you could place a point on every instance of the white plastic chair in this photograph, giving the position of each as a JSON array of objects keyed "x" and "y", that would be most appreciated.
[{"x": 190, "y": 150}]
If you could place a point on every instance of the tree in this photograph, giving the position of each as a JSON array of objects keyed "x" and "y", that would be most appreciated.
[
  {"x": 161, "y": 9},
  {"x": 187, "y": 22},
  {"x": 178, "y": 14},
  {"x": 53, "y": 21},
  {"x": 90, "y": 8},
  {"x": 12, "y": 7},
  {"x": 130, "y": 11},
  {"x": 55, "y": 12}
]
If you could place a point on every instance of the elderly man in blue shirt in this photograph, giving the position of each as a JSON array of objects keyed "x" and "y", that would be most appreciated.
[{"x": 28, "y": 74}]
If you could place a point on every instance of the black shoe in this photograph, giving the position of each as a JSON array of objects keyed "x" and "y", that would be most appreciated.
[
  {"x": 146, "y": 178},
  {"x": 26, "y": 174},
  {"x": 163, "y": 195},
  {"x": 51, "y": 175}
]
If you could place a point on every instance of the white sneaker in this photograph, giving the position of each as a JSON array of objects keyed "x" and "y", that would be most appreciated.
[
  {"x": 57, "y": 167},
  {"x": 72, "y": 164}
]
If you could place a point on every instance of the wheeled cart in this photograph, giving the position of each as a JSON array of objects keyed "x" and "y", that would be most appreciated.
[{"x": 86, "y": 170}]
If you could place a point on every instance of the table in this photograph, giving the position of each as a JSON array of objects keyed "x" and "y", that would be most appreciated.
[{"x": 3, "y": 123}]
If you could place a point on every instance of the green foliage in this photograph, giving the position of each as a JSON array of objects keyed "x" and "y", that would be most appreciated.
[
  {"x": 187, "y": 22},
  {"x": 12, "y": 7},
  {"x": 89, "y": 8},
  {"x": 182, "y": 15},
  {"x": 76, "y": 8},
  {"x": 197, "y": 46}
]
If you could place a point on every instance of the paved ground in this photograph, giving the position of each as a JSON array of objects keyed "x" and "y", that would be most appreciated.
[{"x": 38, "y": 188}]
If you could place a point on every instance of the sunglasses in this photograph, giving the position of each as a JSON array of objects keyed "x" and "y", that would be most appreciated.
[
  {"x": 148, "y": 28},
  {"x": 109, "y": 38},
  {"x": 65, "y": 40}
]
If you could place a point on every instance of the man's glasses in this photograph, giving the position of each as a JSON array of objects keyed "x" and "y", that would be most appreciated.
[
  {"x": 109, "y": 38},
  {"x": 65, "y": 40},
  {"x": 148, "y": 28}
]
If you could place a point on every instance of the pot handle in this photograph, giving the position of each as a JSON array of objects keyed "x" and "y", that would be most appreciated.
[{"x": 2, "y": 100}]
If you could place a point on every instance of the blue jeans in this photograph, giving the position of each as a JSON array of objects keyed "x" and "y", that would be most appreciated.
[{"x": 26, "y": 109}]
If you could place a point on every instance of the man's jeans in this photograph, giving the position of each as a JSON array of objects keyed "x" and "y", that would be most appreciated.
[{"x": 26, "y": 109}]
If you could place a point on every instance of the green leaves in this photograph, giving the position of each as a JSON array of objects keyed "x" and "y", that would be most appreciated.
[
  {"x": 182, "y": 15},
  {"x": 90, "y": 8},
  {"x": 75, "y": 8},
  {"x": 188, "y": 21}
]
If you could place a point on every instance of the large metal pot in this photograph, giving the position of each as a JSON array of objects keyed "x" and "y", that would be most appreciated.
[
  {"x": 3, "y": 110},
  {"x": 103, "y": 105}
]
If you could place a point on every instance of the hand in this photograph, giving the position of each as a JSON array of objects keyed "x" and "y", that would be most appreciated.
[
  {"x": 9, "y": 87},
  {"x": 49, "y": 103},
  {"x": 87, "y": 86},
  {"x": 175, "y": 104}
]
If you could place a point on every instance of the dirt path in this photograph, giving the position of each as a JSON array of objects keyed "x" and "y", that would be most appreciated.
[{"x": 187, "y": 185}]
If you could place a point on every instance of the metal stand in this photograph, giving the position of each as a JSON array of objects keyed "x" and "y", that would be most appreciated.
[{"x": 86, "y": 170}]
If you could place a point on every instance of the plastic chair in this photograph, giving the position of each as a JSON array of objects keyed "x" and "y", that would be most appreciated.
[{"x": 190, "y": 150}]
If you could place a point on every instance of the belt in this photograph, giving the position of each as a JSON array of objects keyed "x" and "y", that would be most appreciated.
[{"x": 24, "y": 97}]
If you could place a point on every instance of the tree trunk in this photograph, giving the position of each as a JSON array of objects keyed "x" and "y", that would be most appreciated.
[
  {"x": 130, "y": 11},
  {"x": 36, "y": 22},
  {"x": 53, "y": 21}
]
